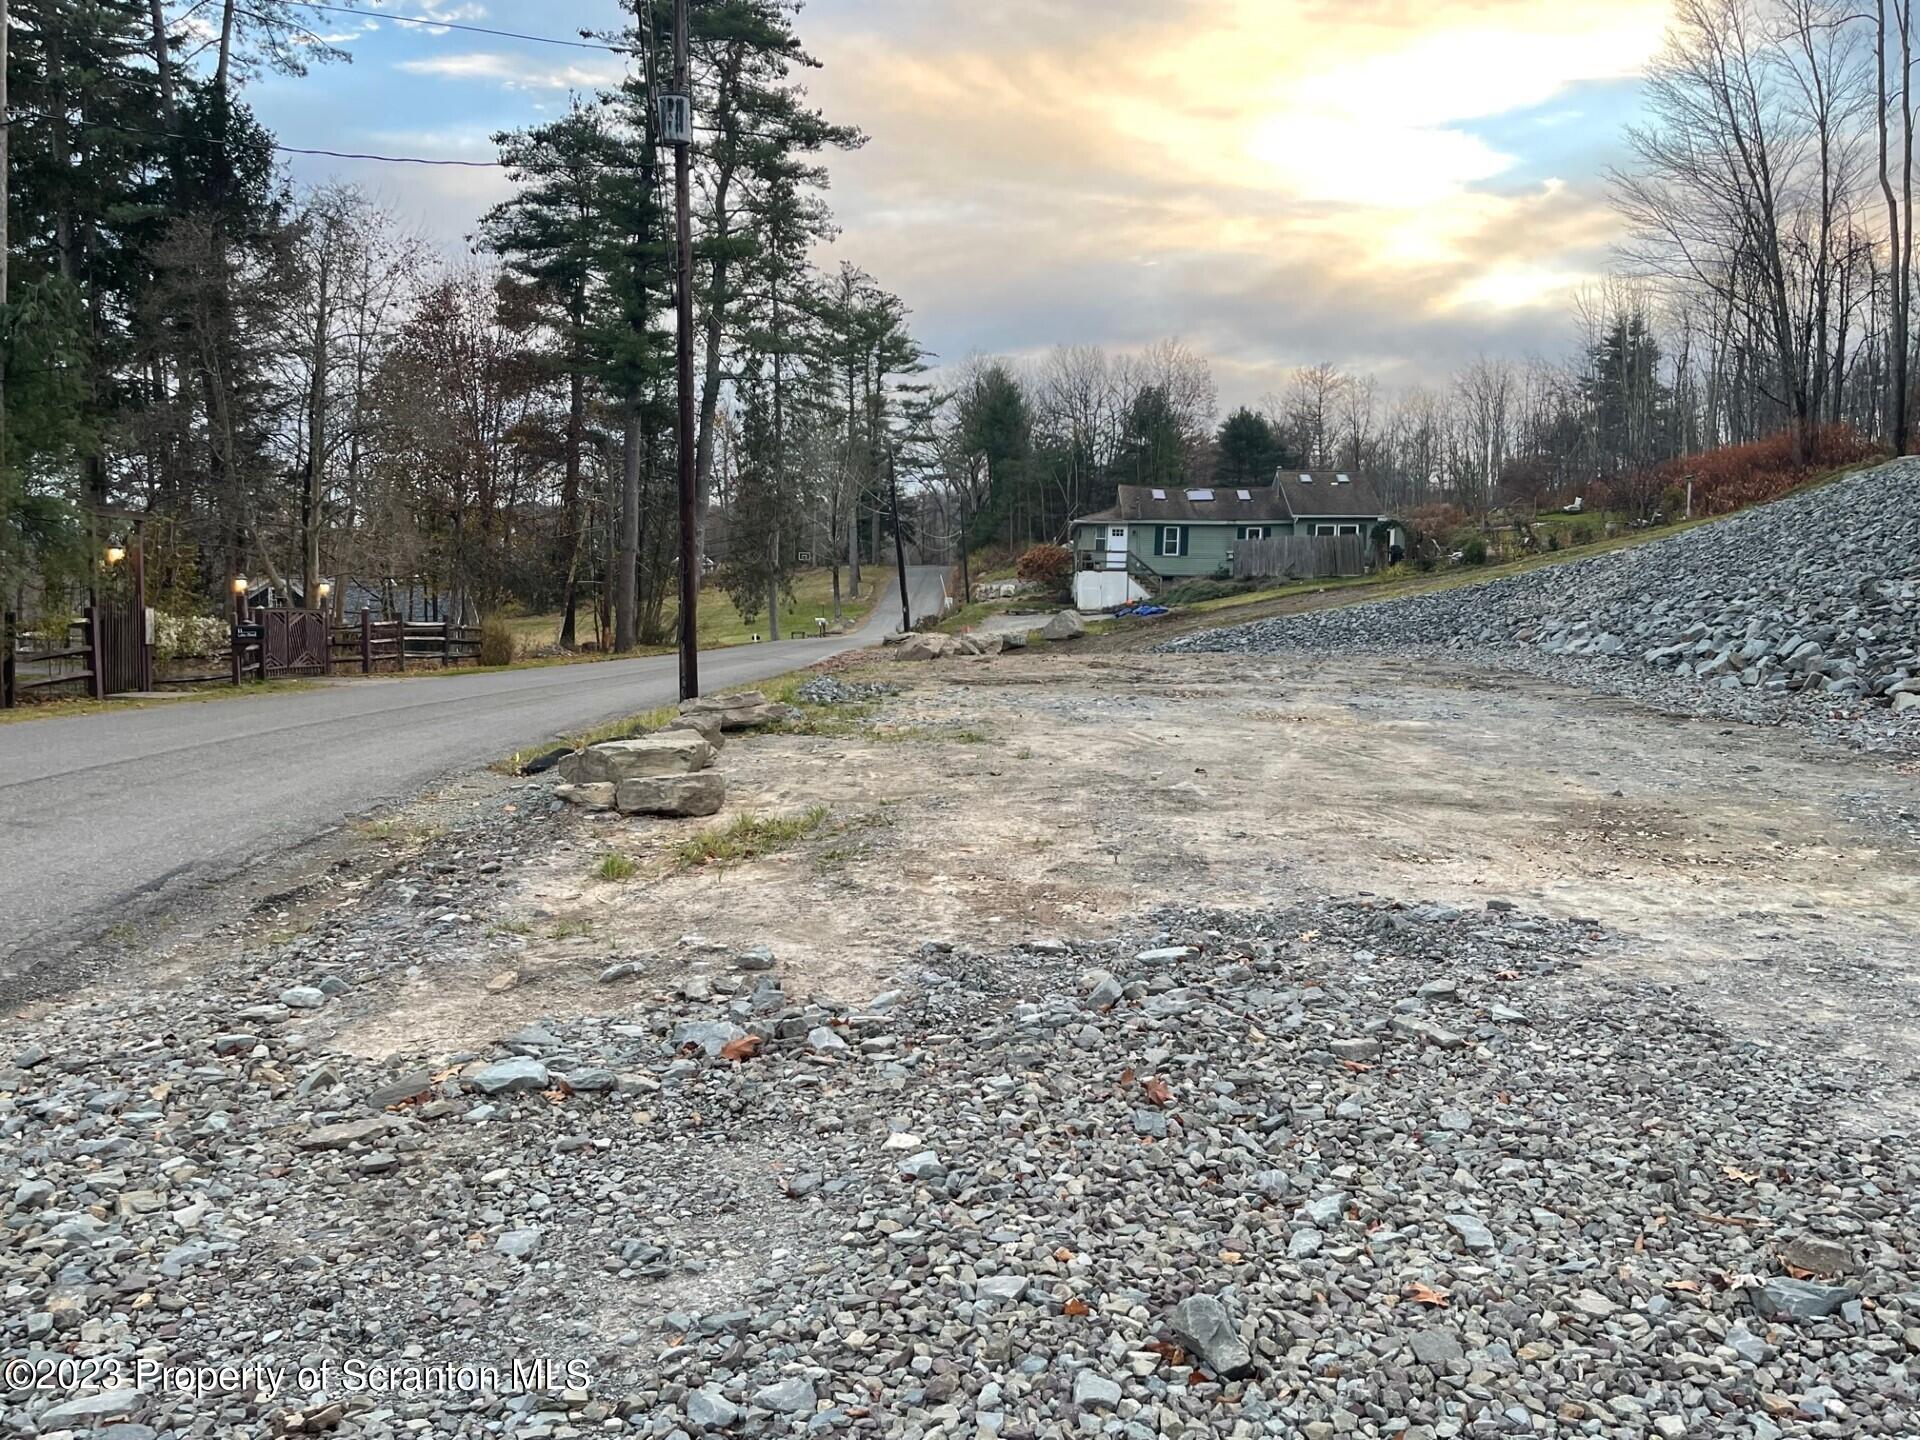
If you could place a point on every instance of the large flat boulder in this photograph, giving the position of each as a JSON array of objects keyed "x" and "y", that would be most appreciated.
[
  {"x": 704, "y": 723},
  {"x": 597, "y": 796},
  {"x": 742, "y": 710},
  {"x": 702, "y": 793},
  {"x": 668, "y": 752},
  {"x": 925, "y": 647}
]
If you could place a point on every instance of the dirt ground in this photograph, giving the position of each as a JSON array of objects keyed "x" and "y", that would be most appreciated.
[{"x": 1034, "y": 796}]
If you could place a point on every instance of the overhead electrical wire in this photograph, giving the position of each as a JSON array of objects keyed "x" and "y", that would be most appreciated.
[
  {"x": 470, "y": 29},
  {"x": 369, "y": 156}
]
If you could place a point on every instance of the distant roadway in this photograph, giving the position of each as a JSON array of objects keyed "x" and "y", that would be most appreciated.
[{"x": 101, "y": 813}]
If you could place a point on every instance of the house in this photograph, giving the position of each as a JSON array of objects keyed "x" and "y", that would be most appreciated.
[{"x": 1153, "y": 534}]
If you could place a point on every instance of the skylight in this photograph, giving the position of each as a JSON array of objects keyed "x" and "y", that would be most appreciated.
[
  {"x": 1305, "y": 478},
  {"x": 1341, "y": 480},
  {"x": 1159, "y": 494},
  {"x": 1244, "y": 494},
  {"x": 1199, "y": 494}
]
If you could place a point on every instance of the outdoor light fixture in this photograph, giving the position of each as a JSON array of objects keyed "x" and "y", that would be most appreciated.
[
  {"x": 115, "y": 554},
  {"x": 239, "y": 584},
  {"x": 325, "y": 588}
]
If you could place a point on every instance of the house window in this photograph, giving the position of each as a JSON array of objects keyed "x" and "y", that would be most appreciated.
[
  {"x": 1173, "y": 541},
  {"x": 1253, "y": 532},
  {"x": 1349, "y": 529},
  {"x": 1323, "y": 530}
]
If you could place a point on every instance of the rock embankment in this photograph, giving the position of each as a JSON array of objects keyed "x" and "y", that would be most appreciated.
[{"x": 1813, "y": 598}]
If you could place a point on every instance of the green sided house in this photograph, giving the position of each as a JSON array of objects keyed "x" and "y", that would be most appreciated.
[{"x": 1153, "y": 535}]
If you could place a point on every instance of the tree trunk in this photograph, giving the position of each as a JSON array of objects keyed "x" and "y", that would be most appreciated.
[
  {"x": 626, "y": 557},
  {"x": 310, "y": 499},
  {"x": 773, "y": 586},
  {"x": 163, "y": 60},
  {"x": 570, "y": 502}
]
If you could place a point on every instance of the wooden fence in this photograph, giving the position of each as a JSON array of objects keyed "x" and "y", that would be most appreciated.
[
  {"x": 370, "y": 646},
  {"x": 1302, "y": 557},
  {"x": 104, "y": 651}
]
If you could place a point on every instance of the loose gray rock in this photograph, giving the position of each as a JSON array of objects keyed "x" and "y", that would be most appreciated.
[
  {"x": 507, "y": 1077},
  {"x": 1203, "y": 1325},
  {"x": 1789, "y": 1299},
  {"x": 792, "y": 1396},
  {"x": 1094, "y": 1392}
]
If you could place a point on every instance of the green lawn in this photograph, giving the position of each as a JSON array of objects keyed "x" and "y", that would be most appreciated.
[{"x": 721, "y": 624}]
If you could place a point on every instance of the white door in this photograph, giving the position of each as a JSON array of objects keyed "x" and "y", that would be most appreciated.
[{"x": 1116, "y": 547}]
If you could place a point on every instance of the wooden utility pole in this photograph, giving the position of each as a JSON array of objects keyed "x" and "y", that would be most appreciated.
[
  {"x": 683, "y": 267},
  {"x": 899, "y": 542}
]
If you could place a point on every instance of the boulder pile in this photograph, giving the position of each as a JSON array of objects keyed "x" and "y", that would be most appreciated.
[
  {"x": 669, "y": 772},
  {"x": 1066, "y": 625},
  {"x": 1816, "y": 594}
]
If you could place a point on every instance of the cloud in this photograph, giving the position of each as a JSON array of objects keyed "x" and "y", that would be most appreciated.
[
  {"x": 517, "y": 72},
  {"x": 1279, "y": 184}
]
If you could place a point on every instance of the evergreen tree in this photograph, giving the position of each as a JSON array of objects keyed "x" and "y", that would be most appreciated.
[
  {"x": 1153, "y": 446},
  {"x": 554, "y": 236}
]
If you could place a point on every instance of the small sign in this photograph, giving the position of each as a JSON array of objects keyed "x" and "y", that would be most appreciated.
[{"x": 676, "y": 119}]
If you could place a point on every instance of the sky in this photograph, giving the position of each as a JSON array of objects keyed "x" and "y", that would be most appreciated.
[{"x": 1394, "y": 186}]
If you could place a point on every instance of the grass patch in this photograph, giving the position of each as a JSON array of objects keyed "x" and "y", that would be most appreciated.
[
  {"x": 645, "y": 723},
  {"x": 399, "y": 828},
  {"x": 748, "y": 837},
  {"x": 615, "y": 867},
  {"x": 971, "y": 616},
  {"x": 50, "y": 707},
  {"x": 721, "y": 624}
]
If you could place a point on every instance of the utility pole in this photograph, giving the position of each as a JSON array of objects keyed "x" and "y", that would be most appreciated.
[
  {"x": 683, "y": 220},
  {"x": 899, "y": 542}
]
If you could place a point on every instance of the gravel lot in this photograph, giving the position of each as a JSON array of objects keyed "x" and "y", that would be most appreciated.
[{"x": 912, "y": 1139}]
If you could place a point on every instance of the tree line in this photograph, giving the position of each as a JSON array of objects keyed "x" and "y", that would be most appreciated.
[
  {"x": 292, "y": 386},
  {"x": 1764, "y": 287}
]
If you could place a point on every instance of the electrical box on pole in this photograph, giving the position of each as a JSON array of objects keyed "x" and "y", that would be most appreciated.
[{"x": 676, "y": 118}]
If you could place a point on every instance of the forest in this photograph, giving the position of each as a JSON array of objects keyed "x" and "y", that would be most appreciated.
[{"x": 289, "y": 384}]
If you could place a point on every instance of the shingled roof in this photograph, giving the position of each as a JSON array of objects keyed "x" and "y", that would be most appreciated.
[
  {"x": 1296, "y": 494},
  {"x": 1308, "y": 493}
]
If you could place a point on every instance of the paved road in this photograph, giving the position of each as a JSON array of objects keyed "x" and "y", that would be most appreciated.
[{"x": 101, "y": 812}]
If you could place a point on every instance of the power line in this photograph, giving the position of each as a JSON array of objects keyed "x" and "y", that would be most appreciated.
[
  {"x": 208, "y": 140},
  {"x": 470, "y": 29},
  {"x": 530, "y": 167}
]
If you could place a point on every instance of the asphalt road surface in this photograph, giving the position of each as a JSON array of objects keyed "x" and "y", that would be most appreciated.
[{"x": 101, "y": 814}]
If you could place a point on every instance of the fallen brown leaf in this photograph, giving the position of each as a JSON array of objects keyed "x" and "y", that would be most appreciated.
[
  {"x": 1076, "y": 1306},
  {"x": 1157, "y": 1090},
  {"x": 1422, "y": 1294},
  {"x": 745, "y": 1048}
]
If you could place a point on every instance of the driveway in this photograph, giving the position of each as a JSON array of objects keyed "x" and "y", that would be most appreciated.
[{"x": 101, "y": 812}]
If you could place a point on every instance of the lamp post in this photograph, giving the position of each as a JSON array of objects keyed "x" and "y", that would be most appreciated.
[{"x": 239, "y": 599}]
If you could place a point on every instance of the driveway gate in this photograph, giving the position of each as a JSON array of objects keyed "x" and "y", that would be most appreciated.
[{"x": 294, "y": 642}]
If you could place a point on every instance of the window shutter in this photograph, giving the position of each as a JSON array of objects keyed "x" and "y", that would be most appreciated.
[
  {"x": 1159, "y": 541},
  {"x": 1186, "y": 539}
]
